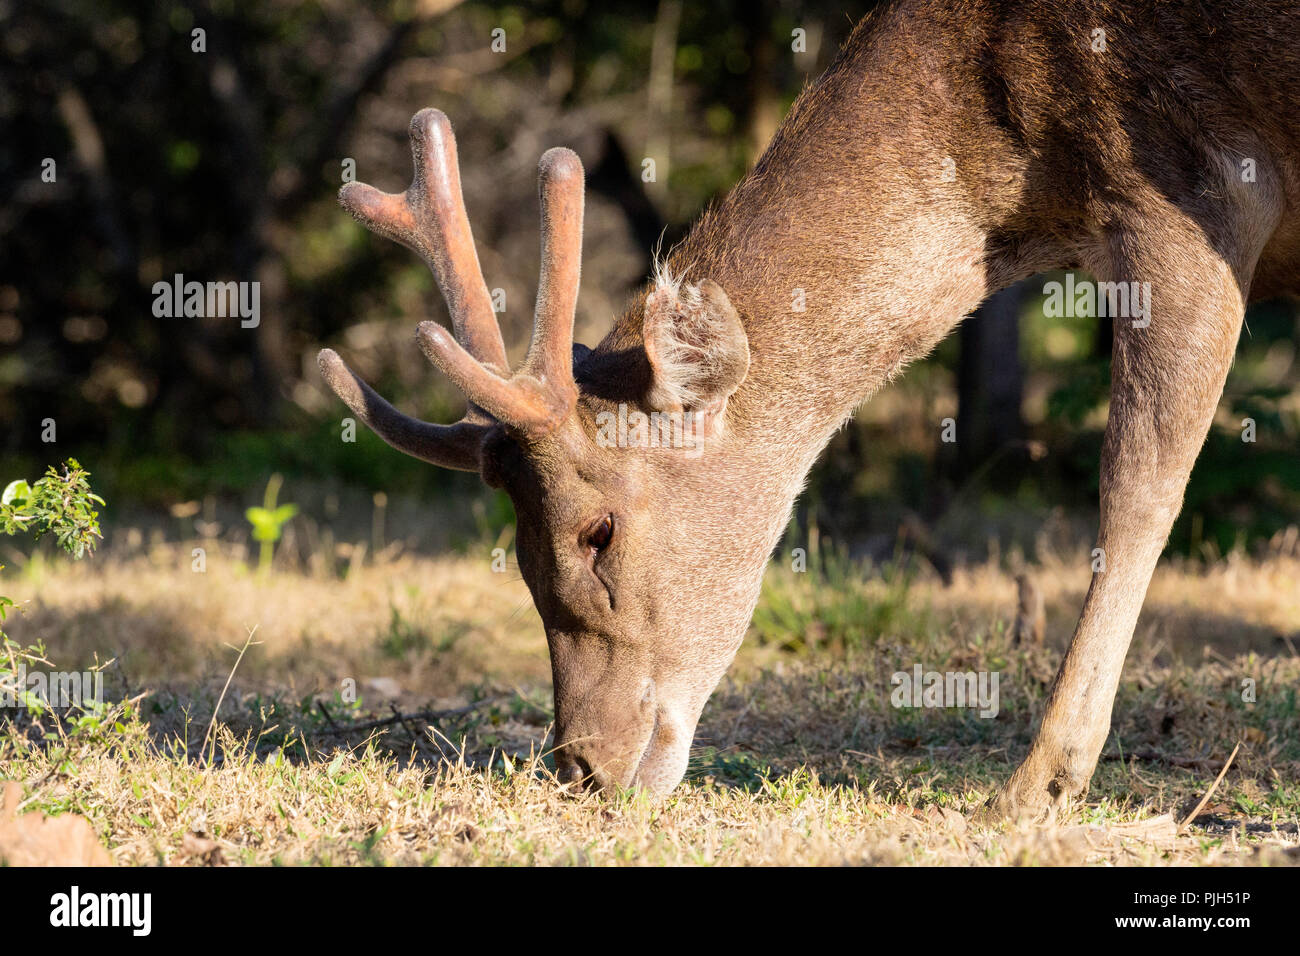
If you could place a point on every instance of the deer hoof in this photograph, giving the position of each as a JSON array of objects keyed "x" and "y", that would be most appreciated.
[{"x": 1029, "y": 797}]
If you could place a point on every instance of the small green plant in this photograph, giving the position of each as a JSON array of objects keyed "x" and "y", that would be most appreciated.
[
  {"x": 402, "y": 636},
  {"x": 833, "y": 601},
  {"x": 268, "y": 522},
  {"x": 59, "y": 504}
]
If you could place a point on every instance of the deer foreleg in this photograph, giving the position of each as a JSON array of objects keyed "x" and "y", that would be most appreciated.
[{"x": 1166, "y": 382}]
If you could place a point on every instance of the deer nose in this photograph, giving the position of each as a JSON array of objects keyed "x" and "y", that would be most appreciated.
[{"x": 571, "y": 768}]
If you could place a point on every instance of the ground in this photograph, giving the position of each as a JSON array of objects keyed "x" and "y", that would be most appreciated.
[{"x": 800, "y": 756}]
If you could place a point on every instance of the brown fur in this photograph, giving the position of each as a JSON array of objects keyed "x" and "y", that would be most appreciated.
[{"x": 1123, "y": 162}]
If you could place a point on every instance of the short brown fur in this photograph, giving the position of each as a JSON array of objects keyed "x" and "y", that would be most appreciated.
[{"x": 951, "y": 150}]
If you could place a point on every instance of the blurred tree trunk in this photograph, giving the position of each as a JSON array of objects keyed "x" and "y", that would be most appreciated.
[
  {"x": 990, "y": 385},
  {"x": 613, "y": 177},
  {"x": 663, "y": 67},
  {"x": 764, "y": 102}
]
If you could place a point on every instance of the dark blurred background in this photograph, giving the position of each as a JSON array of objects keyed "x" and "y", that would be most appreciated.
[{"x": 224, "y": 164}]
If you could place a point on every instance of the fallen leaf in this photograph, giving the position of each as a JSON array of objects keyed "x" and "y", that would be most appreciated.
[{"x": 37, "y": 840}]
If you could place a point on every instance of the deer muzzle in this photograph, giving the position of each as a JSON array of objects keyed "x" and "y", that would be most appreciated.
[{"x": 603, "y": 736}]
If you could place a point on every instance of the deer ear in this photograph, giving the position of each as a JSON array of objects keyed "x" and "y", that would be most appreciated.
[{"x": 697, "y": 349}]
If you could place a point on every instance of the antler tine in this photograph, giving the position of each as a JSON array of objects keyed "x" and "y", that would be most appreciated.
[
  {"x": 450, "y": 446},
  {"x": 429, "y": 219},
  {"x": 539, "y": 396},
  {"x": 550, "y": 353},
  {"x": 523, "y": 402}
]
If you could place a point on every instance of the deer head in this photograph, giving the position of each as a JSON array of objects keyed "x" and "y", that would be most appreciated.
[{"x": 618, "y": 467}]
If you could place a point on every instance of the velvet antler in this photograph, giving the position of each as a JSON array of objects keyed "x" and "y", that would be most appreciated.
[{"x": 429, "y": 218}]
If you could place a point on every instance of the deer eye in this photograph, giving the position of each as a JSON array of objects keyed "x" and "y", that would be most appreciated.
[{"x": 601, "y": 534}]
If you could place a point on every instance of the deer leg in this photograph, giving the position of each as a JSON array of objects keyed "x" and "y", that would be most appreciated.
[{"x": 1166, "y": 382}]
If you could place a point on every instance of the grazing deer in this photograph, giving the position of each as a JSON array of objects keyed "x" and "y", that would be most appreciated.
[{"x": 951, "y": 149}]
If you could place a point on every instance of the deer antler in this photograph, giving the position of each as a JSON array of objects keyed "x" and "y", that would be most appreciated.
[{"x": 429, "y": 218}]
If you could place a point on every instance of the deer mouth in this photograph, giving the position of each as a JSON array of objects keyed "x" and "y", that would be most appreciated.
[
  {"x": 663, "y": 761},
  {"x": 646, "y": 751}
]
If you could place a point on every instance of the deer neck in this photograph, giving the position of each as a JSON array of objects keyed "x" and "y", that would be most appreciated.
[{"x": 847, "y": 253}]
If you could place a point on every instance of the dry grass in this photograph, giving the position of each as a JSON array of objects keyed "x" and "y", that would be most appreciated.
[{"x": 800, "y": 757}]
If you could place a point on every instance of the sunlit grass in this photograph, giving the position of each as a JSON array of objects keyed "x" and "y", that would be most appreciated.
[{"x": 800, "y": 756}]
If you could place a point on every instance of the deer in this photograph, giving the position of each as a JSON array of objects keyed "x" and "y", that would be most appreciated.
[{"x": 950, "y": 150}]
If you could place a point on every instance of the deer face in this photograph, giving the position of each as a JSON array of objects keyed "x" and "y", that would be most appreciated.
[
  {"x": 622, "y": 534},
  {"x": 617, "y": 469}
]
